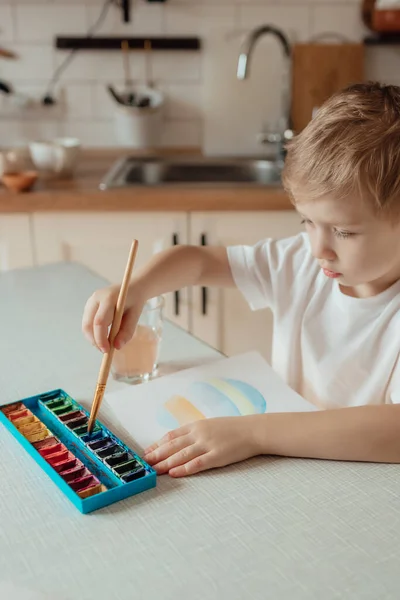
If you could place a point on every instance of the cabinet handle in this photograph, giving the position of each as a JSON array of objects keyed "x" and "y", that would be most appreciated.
[
  {"x": 175, "y": 242},
  {"x": 204, "y": 291}
]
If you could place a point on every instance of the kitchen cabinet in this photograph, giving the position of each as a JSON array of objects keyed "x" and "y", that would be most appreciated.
[
  {"x": 101, "y": 241},
  {"x": 221, "y": 317},
  {"x": 15, "y": 242}
]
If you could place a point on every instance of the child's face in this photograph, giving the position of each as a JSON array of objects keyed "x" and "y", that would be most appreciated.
[{"x": 352, "y": 244}]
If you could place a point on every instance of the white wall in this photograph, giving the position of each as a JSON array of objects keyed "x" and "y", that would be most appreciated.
[{"x": 28, "y": 27}]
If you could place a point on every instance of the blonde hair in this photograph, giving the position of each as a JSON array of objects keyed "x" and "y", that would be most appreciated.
[{"x": 351, "y": 146}]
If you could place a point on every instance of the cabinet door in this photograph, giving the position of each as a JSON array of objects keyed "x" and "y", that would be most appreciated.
[
  {"x": 101, "y": 241},
  {"x": 15, "y": 242},
  {"x": 221, "y": 317}
]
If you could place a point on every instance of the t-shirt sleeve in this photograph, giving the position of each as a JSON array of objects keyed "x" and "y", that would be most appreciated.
[{"x": 268, "y": 269}]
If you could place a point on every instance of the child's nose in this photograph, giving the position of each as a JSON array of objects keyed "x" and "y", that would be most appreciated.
[{"x": 322, "y": 250}]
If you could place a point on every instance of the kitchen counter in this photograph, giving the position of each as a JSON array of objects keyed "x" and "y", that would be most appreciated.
[
  {"x": 268, "y": 527},
  {"x": 81, "y": 193}
]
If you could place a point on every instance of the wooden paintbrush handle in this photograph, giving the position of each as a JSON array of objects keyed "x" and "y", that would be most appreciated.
[{"x": 116, "y": 324}]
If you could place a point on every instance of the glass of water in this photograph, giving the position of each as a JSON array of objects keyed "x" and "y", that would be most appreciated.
[{"x": 137, "y": 361}]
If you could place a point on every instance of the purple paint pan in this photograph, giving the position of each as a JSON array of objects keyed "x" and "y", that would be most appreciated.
[
  {"x": 75, "y": 473},
  {"x": 75, "y": 423},
  {"x": 84, "y": 482},
  {"x": 71, "y": 415}
]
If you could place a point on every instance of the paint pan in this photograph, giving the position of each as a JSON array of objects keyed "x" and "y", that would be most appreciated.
[
  {"x": 46, "y": 398},
  {"x": 81, "y": 431},
  {"x": 62, "y": 410},
  {"x": 84, "y": 482},
  {"x": 41, "y": 435},
  {"x": 127, "y": 467},
  {"x": 136, "y": 474},
  {"x": 18, "y": 414},
  {"x": 109, "y": 451},
  {"x": 71, "y": 415},
  {"x": 69, "y": 463},
  {"x": 118, "y": 459},
  {"x": 12, "y": 408},
  {"x": 76, "y": 423},
  {"x": 104, "y": 442},
  {"x": 50, "y": 441},
  {"x": 31, "y": 427},
  {"x": 57, "y": 457},
  {"x": 49, "y": 450},
  {"x": 92, "y": 437},
  {"x": 52, "y": 404},
  {"x": 30, "y": 418},
  {"x": 75, "y": 473},
  {"x": 92, "y": 491}
]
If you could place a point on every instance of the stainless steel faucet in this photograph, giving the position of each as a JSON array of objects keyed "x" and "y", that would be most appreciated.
[{"x": 243, "y": 69}]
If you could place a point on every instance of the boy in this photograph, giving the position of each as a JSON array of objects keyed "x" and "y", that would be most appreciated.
[{"x": 334, "y": 292}]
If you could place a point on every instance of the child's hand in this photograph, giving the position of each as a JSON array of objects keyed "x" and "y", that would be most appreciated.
[
  {"x": 98, "y": 315},
  {"x": 204, "y": 445}
]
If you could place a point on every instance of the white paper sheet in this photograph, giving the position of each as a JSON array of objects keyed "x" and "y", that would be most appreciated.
[{"x": 240, "y": 385}]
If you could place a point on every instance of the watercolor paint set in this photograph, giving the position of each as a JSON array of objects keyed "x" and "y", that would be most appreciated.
[{"x": 92, "y": 470}]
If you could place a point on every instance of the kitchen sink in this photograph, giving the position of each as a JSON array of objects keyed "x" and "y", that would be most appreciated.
[{"x": 150, "y": 171}]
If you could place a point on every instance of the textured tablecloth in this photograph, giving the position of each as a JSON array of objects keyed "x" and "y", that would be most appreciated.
[{"x": 267, "y": 529}]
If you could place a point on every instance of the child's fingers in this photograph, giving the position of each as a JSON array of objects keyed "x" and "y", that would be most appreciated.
[
  {"x": 168, "y": 449},
  {"x": 184, "y": 456},
  {"x": 101, "y": 323},
  {"x": 197, "y": 464},
  {"x": 87, "y": 320},
  {"x": 168, "y": 437}
]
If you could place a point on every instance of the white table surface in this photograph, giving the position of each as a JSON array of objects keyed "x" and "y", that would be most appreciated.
[{"x": 268, "y": 529}]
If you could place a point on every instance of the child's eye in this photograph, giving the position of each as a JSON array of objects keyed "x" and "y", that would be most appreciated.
[
  {"x": 307, "y": 221},
  {"x": 343, "y": 234}
]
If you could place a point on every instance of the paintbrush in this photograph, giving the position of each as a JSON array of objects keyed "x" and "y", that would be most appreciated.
[{"x": 116, "y": 323}]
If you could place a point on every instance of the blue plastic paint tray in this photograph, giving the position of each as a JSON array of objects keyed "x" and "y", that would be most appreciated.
[{"x": 91, "y": 470}]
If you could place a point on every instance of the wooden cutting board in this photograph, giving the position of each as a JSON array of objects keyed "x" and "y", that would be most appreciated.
[{"x": 319, "y": 70}]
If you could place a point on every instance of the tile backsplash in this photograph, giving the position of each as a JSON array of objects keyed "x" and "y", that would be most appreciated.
[{"x": 85, "y": 109}]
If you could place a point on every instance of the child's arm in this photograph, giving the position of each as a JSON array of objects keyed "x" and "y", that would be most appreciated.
[
  {"x": 365, "y": 433},
  {"x": 360, "y": 433},
  {"x": 167, "y": 271}
]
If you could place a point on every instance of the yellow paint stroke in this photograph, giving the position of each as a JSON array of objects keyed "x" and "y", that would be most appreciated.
[
  {"x": 242, "y": 403},
  {"x": 183, "y": 410}
]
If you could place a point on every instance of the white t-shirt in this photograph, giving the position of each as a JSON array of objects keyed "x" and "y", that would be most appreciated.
[{"x": 333, "y": 349}]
